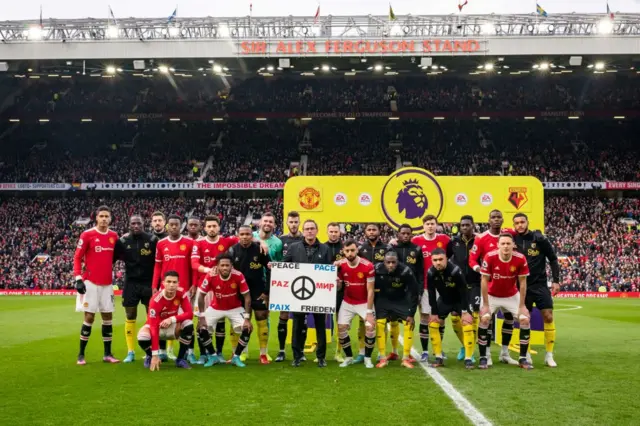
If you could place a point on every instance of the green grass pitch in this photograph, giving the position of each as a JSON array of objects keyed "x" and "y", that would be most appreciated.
[{"x": 598, "y": 347}]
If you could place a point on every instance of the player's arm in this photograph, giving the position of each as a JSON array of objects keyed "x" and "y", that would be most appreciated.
[
  {"x": 550, "y": 253},
  {"x": 154, "y": 327},
  {"x": 414, "y": 292},
  {"x": 265, "y": 259},
  {"x": 484, "y": 288},
  {"x": 420, "y": 272},
  {"x": 195, "y": 260},
  {"x": 475, "y": 255},
  {"x": 202, "y": 293},
  {"x": 461, "y": 284},
  {"x": 187, "y": 309},
  {"x": 431, "y": 289},
  {"x": 450, "y": 249},
  {"x": 523, "y": 273},
  {"x": 78, "y": 258},
  {"x": 244, "y": 291},
  {"x": 119, "y": 250},
  {"x": 157, "y": 270}
]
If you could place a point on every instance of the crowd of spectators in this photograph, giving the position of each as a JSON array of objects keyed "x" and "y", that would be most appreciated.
[{"x": 597, "y": 240}]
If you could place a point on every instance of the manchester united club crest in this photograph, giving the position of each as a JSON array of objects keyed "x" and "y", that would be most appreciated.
[
  {"x": 513, "y": 269},
  {"x": 439, "y": 244},
  {"x": 360, "y": 275},
  {"x": 309, "y": 198},
  {"x": 112, "y": 240},
  {"x": 234, "y": 286},
  {"x": 176, "y": 302},
  {"x": 220, "y": 247},
  {"x": 518, "y": 197},
  {"x": 183, "y": 247}
]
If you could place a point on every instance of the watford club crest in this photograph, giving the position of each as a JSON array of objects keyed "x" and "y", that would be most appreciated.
[
  {"x": 309, "y": 198},
  {"x": 518, "y": 197}
]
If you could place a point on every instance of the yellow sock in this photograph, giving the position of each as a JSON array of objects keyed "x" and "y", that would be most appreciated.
[
  {"x": 263, "y": 335},
  {"x": 436, "y": 341},
  {"x": 169, "y": 346},
  {"x": 129, "y": 334},
  {"x": 549, "y": 336},
  {"x": 456, "y": 323},
  {"x": 476, "y": 322},
  {"x": 381, "y": 326},
  {"x": 408, "y": 339},
  {"x": 361, "y": 333},
  {"x": 468, "y": 340},
  {"x": 395, "y": 335},
  {"x": 234, "y": 339}
]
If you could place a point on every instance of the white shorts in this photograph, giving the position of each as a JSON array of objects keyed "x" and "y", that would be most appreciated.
[
  {"x": 212, "y": 316},
  {"x": 425, "y": 307},
  {"x": 194, "y": 301},
  {"x": 168, "y": 333},
  {"x": 98, "y": 298},
  {"x": 505, "y": 304},
  {"x": 348, "y": 312}
]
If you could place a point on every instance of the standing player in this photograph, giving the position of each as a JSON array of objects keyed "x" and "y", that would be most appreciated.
[
  {"x": 428, "y": 242},
  {"x": 229, "y": 290},
  {"x": 460, "y": 247},
  {"x": 194, "y": 231},
  {"x": 396, "y": 300},
  {"x": 357, "y": 276},
  {"x": 159, "y": 229},
  {"x": 137, "y": 250},
  {"x": 194, "y": 228},
  {"x": 94, "y": 284},
  {"x": 294, "y": 236},
  {"x": 165, "y": 321},
  {"x": 174, "y": 254},
  {"x": 537, "y": 249},
  {"x": 335, "y": 249},
  {"x": 248, "y": 258},
  {"x": 485, "y": 243},
  {"x": 448, "y": 295},
  {"x": 502, "y": 271}
]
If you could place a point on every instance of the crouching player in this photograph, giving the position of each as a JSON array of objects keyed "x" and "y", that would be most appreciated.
[
  {"x": 357, "y": 276},
  {"x": 229, "y": 289},
  {"x": 448, "y": 295},
  {"x": 164, "y": 323}
]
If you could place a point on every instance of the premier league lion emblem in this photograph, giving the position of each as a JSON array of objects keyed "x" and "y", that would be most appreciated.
[{"x": 411, "y": 199}]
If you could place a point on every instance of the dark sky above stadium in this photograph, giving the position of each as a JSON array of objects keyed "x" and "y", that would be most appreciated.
[{"x": 30, "y": 9}]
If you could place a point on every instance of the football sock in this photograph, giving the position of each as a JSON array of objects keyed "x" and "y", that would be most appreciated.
[
  {"x": 129, "y": 333},
  {"x": 145, "y": 345},
  {"x": 220, "y": 335},
  {"x": 483, "y": 341},
  {"x": 441, "y": 330},
  {"x": 263, "y": 335},
  {"x": 85, "y": 333},
  {"x": 361, "y": 333},
  {"x": 468, "y": 337},
  {"x": 549, "y": 336},
  {"x": 282, "y": 333},
  {"x": 233, "y": 336},
  {"x": 205, "y": 338},
  {"x": 107, "y": 336},
  {"x": 436, "y": 340},
  {"x": 201, "y": 346},
  {"x": 507, "y": 331},
  {"x": 345, "y": 342},
  {"x": 243, "y": 341},
  {"x": 408, "y": 340},
  {"x": 424, "y": 335},
  {"x": 395, "y": 335},
  {"x": 186, "y": 336},
  {"x": 369, "y": 343},
  {"x": 524, "y": 341},
  {"x": 381, "y": 326},
  {"x": 169, "y": 346},
  {"x": 476, "y": 321},
  {"x": 456, "y": 324}
]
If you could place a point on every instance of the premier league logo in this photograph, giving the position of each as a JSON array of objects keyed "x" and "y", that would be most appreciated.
[{"x": 411, "y": 199}]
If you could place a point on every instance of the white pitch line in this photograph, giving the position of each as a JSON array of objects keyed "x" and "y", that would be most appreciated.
[
  {"x": 463, "y": 404},
  {"x": 572, "y": 307}
]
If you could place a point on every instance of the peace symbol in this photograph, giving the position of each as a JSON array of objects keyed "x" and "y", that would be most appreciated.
[{"x": 303, "y": 288}]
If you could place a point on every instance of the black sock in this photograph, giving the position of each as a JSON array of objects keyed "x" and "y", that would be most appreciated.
[
  {"x": 145, "y": 345},
  {"x": 346, "y": 345},
  {"x": 242, "y": 342},
  {"x": 204, "y": 338},
  {"x": 220, "y": 332},
  {"x": 186, "y": 336},
  {"x": 482, "y": 341},
  {"x": 192, "y": 345},
  {"x": 424, "y": 336},
  {"x": 507, "y": 331},
  {"x": 107, "y": 334},
  {"x": 524, "y": 341},
  {"x": 369, "y": 343},
  {"x": 441, "y": 333},
  {"x": 85, "y": 333},
  {"x": 282, "y": 333},
  {"x": 163, "y": 345},
  {"x": 202, "y": 347}
]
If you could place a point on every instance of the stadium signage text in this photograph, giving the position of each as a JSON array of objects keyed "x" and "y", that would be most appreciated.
[
  {"x": 598, "y": 295},
  {"x": 375, "y": 47},
  {"x": 155, "y": 186},
  {"x": 622, "y": 185},
  {"x": 32, "y": 292},
  {"x": 298, "y": 287}
]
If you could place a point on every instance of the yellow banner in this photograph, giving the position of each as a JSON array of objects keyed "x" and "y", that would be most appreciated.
[{"x": 409, "y": 194}]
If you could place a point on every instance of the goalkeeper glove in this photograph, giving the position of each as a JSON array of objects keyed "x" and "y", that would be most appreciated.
[{"x": 80, "y": 287}]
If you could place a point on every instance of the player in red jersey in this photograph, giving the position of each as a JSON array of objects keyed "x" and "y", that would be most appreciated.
[
  {"x": 229, "y": 290},
  {"x": 503, "y": 270},
  {"x": 174, "y": 254},
  {"x": 484, "y": 243},
  {"x": 94, "y": 284},
  {"x": 428, "y": 242},
  {"x": 170, "y": 317},
  {"x": 357, "y": 276}
]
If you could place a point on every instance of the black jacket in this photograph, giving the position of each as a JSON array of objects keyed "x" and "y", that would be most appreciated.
[
  {"x": 138, "y": 253},
  {"x": 397, "y": 288},
  {"x": 537, "y": 249},
  {"x": 253, "y": 265},
  {"x": 335, "y": 249},
  {"x": 374, "y": 254},
  {"x": 161, "y": 235},
  {"x": 301, "y": 252},
  {"x": 411, "y": 255},
  {"x": 459, "y": 249},
  {"x": 287, "y": 241},
  {"x": 450, "y": 286}
]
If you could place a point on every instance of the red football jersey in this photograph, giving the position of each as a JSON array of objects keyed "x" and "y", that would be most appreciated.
[
  {"x": 95, "y": 248},
  {"x": 504, "y": 274},
  {"x": 355, "y": 279},
  {"x": 174, "y": 256},
  {"x": 161, "y": 308},
  {"x": 204, "y": 253},
  {"x": 226, "y": 293},
  {"x": 429, "y": 245},
  {"x": 484, "y": 243}
]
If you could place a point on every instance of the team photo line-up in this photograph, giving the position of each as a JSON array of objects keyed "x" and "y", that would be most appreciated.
[{"x": 469, "y": 277}]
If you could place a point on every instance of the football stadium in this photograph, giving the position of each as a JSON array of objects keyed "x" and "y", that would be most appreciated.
[{"x": 345, "y": 214}]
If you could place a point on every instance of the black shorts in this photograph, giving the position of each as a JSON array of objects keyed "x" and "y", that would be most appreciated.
[
  {"x": 392, "y": 312},
  {"x": 135, "y": 293},
  {"x": 257, "y": 304},
  {"x": 445, "y": 309},
  {"x": 540, "y": 295},
  {"x": 474, "y": 297}
]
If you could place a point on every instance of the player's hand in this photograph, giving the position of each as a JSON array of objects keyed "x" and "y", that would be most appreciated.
[
  {"x": 247, "y": 325},
  {"x": 213, "y": 272},
  {"x": 393, "y": 242},
  {"x": 166, "y": 323},
  {"x": 202, "y": 323},
  {"x": 467, "y": 319},
  {"x": 155, "y": 363},
  {"x": 434, "y": 318},
  {"x": 555, "y": 288},
  {"x": 192, "y": 291},
  {"x": 80, "y": 287},
  {"x": 269, "y": 265},
  {"x": 370, "y": 320},
  {"x": 523, "y": 312},
  {"x": 154, "y": 292},
  {"x": 264, "y": 298},
  {"x": 264, "y": 249},
  {"x": 411, "y": 322},
  {"x": 484, "y": 311}
]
